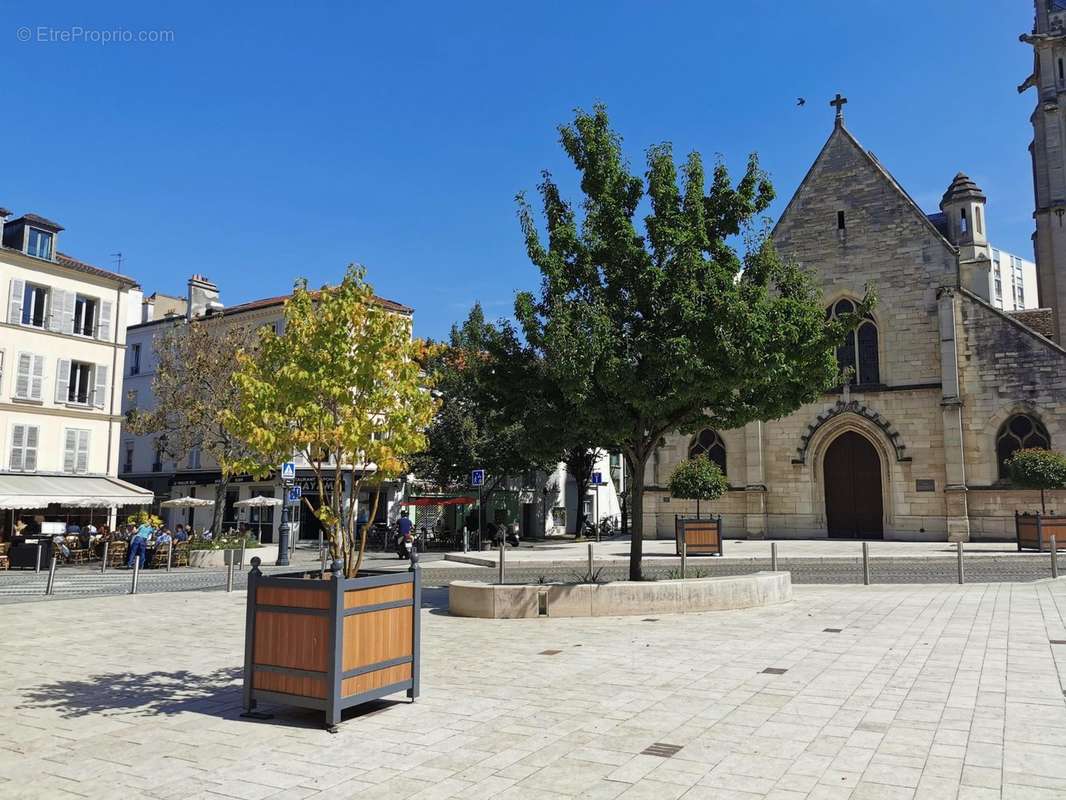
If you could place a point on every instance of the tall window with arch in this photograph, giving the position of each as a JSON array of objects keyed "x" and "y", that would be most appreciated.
[
  {"x": 858, "y": 355},
  {"x": 708, "y": 443},
  {"x": 1019, "y": 432}
]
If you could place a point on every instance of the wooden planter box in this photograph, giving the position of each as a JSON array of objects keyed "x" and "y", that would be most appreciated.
[
  {"x": 703, "y": 536},
  {"x": 1035, "y": 531},
  {"x": 331, "y": 643}
]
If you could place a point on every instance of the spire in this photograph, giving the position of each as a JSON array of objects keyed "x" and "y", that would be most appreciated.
[
  {"x": 962, "y": 188},
  {"x": 839, "y": 102}
]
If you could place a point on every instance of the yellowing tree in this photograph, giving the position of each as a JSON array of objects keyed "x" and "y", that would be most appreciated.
[{"x": 342, "y": 387}]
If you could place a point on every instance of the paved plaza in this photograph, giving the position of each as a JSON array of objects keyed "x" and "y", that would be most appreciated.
[{"x": 848, "y": 692}]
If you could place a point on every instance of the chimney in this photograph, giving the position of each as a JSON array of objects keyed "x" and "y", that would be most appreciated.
[
  {"x": 202, "y": 297},
  {"x": 148, "y": 309},
  {"x": 4, "y": 214}
]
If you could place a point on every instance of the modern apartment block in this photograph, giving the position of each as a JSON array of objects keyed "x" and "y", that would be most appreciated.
[
  {"x": 62, "y": 346},
  {"x": 1013, "y": 282}
]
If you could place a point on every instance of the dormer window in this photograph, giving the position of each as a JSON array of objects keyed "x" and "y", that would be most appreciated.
[{"x": 39, "y": 243}]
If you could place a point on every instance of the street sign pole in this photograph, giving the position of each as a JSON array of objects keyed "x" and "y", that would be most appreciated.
[
  {"x": 477, "y": 478},
  {"x": 288, "y": 478}
]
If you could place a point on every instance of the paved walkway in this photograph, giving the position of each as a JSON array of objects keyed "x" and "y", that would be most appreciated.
[{"x": 932, "y": 692}]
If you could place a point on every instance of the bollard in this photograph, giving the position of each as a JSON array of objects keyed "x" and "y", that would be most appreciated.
[
  {"x": 103, "y": 563},
  {"x": 590, "y": 561},
  {"x": 466, "y": 540},
  {"x": 503, "y": 549},
  {"x": 958, "y": 555},
  {"x": 229, "y": 575},
  {"x": 1054, "y": 558},
  {"x": 865, "y": 563},
  {"x": 241, "y": 564},
  {"x": 170, "y": 555},
  {"x": 136, "y": 573},
  {"x": 684, "y": 559},
  {"x": 773, "y": 556},
  {"x": 414, "y": 557},
  {"x": 38, "y": 567},
  {"x": 51, "y": 576}
]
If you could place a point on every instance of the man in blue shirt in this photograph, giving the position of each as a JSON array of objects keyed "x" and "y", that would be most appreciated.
[{"x": 139, "y": 544}]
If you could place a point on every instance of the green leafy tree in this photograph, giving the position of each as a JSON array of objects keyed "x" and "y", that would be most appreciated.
[
  {"x": 475, "y": 426},
  {"x": 342, "y": 386},
  {"x": 194, "y": 391},
  {"x": 698, "y": 479},
  {"x": 1036, "y": 468},
  {"x": 666, "y": 327}
]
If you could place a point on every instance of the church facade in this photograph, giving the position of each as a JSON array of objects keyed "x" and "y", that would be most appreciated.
[{"x": 944, "y": 385}]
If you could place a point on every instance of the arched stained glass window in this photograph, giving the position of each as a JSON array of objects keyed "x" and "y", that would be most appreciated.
[
  {"x": 858, "y": 354},
  {"x": 1018, "y": 433},
  {"x": 710, "y": 444}
]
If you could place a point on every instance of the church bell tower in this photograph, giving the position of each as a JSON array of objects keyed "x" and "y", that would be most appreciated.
[{"x": 1048, "y": 151}]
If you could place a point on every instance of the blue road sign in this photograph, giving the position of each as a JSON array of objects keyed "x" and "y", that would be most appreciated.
[
  {"x": 597, "y": 479},
  {"x": 288, "y": 471},
  {"x": 477, "y": 477},
  {"x": 295, "y": 493}
]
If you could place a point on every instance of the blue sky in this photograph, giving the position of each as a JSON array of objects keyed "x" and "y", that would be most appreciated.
[{"x": 267, "y": 140}]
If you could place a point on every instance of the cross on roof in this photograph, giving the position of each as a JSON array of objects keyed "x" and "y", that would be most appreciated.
[{"x": 839, "y": 102}]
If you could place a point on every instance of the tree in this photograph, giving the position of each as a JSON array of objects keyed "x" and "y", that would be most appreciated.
[
  {"x": 342, "y": 386},
  {"x": 194, "y": 391},
  {"x": 667, "y": 328},
  {"x": 1036, "y": 468},
  {"x": 475, "y": 426},
  {"x": 698, "y": 479}
]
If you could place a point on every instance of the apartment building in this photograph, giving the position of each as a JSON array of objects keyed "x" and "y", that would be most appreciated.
[
  {"x": 62, "y": 346},
  {"x": 1013, "y": 282}
]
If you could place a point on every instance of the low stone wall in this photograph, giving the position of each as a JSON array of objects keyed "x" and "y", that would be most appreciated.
[
  {"x": 268, "y": 553},
  {"x": 621, "y": 598}
]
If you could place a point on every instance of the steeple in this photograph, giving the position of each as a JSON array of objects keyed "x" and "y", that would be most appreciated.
[
  {"x": 963, "y": 206},
  {"x": 1048, "y": 41}
]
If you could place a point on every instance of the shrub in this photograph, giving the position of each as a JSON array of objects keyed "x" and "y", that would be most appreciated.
[
  {"x": 1034, "y": 468},
  {"x": 698, "y": 479}
]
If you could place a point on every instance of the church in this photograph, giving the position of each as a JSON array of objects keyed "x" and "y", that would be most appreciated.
[{"x": 944, "y": 387}]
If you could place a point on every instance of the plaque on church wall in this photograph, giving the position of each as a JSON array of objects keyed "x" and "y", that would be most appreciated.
[{"x": 924, "y": 485}]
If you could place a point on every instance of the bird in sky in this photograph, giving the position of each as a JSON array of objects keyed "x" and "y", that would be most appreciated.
[{"x": 801, "y": 101}]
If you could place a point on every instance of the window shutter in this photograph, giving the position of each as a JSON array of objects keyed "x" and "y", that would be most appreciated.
[
  {"x": 63, "y": 381},
  {"x": 22, "y": 375},
  {"x": 37, "y": 379},
  {"x": 29, "y": 462},
  {"x": 103, "y": 324},
  {"x": 100, "y": 390},
  {"x": 83, "y": 452},
  {"x": 66, "y": 320},
  {"x": 56, "y": 302},
  {"x": 18, "y": 444},
  {"x": 70, "y": 449},
  {"x": 14, "y": 307}
]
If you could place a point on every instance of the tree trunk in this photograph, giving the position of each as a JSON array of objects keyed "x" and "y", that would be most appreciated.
[
  {"x": 579, "y": 463},
  {"x": 220, "y": 506},
  {"x": 636, "y": 496}
]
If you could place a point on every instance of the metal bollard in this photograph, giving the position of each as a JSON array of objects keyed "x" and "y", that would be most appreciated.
[
  {"x": 241, "y": 564},
  {"x": 590, "y": 561},
  {"x": 51, "y": 576},
  {"x": 136, "y": 573},
  {"x": 38, "y": 567},
  {"x": 103, "y": 563},
  {"x": 503, "y": 550},
  {"x": 958, "y": 555},
  {"x": 466, "y": 540},
  {"x": 229, "y": 575},
  {"x": 684, "y": 559},
  {"x": 773, "y": 556},
  {"x": 1054, "y": 558},
  {"x": 865, "y": 563},
  {"x": 170, "y": 555}
]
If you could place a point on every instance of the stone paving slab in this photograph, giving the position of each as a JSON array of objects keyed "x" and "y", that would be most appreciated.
[{"x": 925, "y": 692}]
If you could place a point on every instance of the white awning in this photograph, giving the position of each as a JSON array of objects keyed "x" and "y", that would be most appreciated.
[{"x": 77, "y": 491}]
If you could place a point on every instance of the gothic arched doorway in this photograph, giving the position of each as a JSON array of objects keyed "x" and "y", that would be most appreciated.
[{"x": 854, "y": 508}]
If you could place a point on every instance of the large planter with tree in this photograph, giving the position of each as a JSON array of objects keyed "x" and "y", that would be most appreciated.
[
  {"x": 332, "y": 643},
  {"x": 1044, "y": 470},
  {"x": 698, "y": 479},
  {"x": 341, "y": 388}
]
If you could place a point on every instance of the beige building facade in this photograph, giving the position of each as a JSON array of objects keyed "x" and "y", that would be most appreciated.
[{"x": 945, "y": 384}]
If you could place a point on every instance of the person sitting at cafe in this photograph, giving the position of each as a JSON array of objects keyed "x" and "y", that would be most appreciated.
[
  {"x": 163, "y": 537},
  {"x": 61, "y": 544},
  {"x": 180, "y": 534}
]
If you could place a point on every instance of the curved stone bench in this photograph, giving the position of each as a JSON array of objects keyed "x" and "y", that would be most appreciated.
[{"x": 621, "y": 598}]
